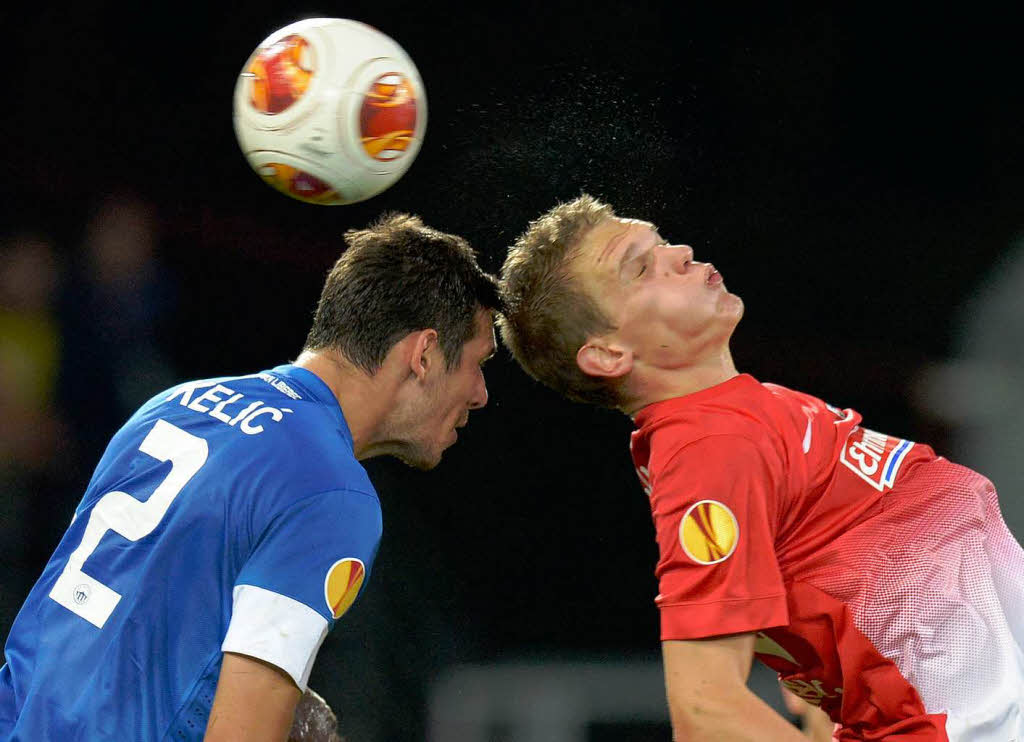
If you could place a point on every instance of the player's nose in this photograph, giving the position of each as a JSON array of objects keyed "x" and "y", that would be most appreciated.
[
  {"x": 679, "y": 257},
  {"x": 480, "y": 396}
]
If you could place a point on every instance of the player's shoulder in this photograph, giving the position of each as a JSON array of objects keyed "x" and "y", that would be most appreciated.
[
  {"x": 780, "y": 394},
  {"x": 757, "y": 408},
  {"x": 285, "y": 414},
  {"x": 731, "y": 420},
  {"x": 250, "y": 404},
  {"x": 732, "y": 406}
]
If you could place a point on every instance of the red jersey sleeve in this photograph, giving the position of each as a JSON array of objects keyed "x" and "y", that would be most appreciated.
[{"x": 714, "y": 507}]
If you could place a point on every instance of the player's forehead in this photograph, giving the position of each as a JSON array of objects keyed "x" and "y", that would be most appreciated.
[
  {"x": 483, "y": 344},
  {"x": 601, "y": 243}
]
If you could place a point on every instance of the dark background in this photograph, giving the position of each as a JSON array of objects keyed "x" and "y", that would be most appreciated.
[{"x": 855, "y": 173}]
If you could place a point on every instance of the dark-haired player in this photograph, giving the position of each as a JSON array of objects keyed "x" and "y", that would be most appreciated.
[
  {"x": 229, "y": 524},
  {"x": 877, "y": 578}
]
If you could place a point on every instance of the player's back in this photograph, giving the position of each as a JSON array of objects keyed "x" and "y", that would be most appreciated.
[{"x": 121, "y": 636}]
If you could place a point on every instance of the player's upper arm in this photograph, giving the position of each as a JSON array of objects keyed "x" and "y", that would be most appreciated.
[
  {"x": 714, "y": 504},
  {"x": 708, "y": 698},
  {"x": 255, "y": 702},
  {"x": 702, "y": 673},
  {"x": 310, "y": 560}
]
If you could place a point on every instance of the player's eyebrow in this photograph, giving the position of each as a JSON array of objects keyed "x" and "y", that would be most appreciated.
[
  {"x": 640, "y": 242},
  {"x": 631, "y": 252},
  {"x": 492, "y": 350},
  {"x": 612, "y": 243}
]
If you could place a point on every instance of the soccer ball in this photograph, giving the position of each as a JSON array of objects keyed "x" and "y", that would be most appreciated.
[{"x": 329, "y": 111}]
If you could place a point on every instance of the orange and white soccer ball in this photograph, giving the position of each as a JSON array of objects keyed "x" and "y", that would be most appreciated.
[{"x": 330, "y": 111}]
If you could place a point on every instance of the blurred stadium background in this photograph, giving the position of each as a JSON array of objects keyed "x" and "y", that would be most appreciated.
[{"x": 856, "y": 173}]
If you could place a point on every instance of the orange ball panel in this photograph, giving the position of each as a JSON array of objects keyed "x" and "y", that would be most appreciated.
[
  {"x": 298, "y": 184},
  {"x": 387, "y": 119},
  {"x": 281, "y": 75}
]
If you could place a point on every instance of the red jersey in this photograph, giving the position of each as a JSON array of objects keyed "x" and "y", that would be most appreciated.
[{"x": 880, "y": 578}]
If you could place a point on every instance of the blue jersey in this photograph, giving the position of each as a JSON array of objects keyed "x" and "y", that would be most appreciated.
[{"x": 226, "y": 515}]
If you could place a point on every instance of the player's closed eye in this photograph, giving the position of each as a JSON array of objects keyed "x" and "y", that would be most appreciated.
[
  {"x": 638, "y": 265},
  {"x": 641, "y": 261}
]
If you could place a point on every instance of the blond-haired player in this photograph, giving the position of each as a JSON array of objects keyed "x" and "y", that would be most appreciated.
[{"x": 876, "y": 577}]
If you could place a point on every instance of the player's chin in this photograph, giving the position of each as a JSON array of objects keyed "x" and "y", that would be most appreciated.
[
  {"x": 426, "y": 464},
  {"x": 426, "y": 454},
  {"x": 423, "y": 458},
  {"x": 730, "y": 304}
]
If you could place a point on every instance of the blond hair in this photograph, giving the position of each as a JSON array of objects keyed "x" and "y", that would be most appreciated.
[{"x": 548, "y": 316}]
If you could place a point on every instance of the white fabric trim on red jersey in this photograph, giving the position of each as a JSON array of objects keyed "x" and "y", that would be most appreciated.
[{"x": 276, "y": 629}]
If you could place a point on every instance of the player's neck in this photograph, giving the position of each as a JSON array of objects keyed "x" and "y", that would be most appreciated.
[
  {"x": 658, "y": 384},
  {"x": 363, "y": 403}
]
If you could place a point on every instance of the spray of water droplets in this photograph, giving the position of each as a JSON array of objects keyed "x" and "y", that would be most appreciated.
[{"x": 627, "y": 140}]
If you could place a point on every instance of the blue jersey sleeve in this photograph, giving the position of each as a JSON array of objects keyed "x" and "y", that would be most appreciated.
[{"x": 308, "y": 566}]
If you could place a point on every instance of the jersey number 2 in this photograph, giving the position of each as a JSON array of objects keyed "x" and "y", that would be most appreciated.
[{"x": 129, "y": 517}]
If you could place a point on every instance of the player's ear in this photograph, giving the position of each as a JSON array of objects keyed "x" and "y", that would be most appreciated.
[
  {"x": 424, "y": 352},
  {"x": 600, "y": 359}
]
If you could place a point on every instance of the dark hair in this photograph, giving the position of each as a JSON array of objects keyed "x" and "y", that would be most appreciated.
[{"x": 395, "y": 277}]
